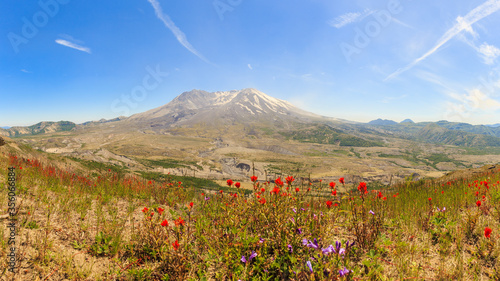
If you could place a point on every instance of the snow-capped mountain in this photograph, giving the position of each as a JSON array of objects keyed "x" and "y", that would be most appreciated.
[{"x": 222, "y": 107}]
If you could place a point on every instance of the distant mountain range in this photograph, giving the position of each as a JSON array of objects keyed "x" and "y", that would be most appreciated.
[
  {"x": 39, "y": 128},
  {"x": 252, "y": 112},
  {"x": 441, "y": 132}
]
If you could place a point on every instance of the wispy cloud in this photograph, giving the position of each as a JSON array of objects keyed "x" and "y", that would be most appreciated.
[
  {"x": 462, "y": 24},
  {"x": 489, "y": 53},
  {"x": 402, "y": 23},
  {"x": 73, "y": 45},
  {"x": 26, "y": 71},
  {"x": 348, "y": 18},
  {"x": 475, "y": 102},
  {"x": 181, "y": 37},
  {"x": 388, "y": 99},
  {"x": 250, "y": 66}
]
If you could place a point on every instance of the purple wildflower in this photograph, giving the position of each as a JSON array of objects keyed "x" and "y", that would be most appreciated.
[
  {"x": 347, "y": 246},
  {"x": 344, "y": 272},
  {"x": 290, "y": 248},
  {"x": 308, "y": 263},
  {"x": 261, "y": 240},
  {"x": 311, "y": 244},
  {"x": 371, "y": 212},
  {"x": 243, "y": 259},
  {"x": 337, "y": 246},
  {"x": 304, "y": 241},
  {"x": 342, "y": 251},
  {"x": 299, "y": 230},
  {"x": 328, "y": 250},
  {"x": 253, "y": 255}
]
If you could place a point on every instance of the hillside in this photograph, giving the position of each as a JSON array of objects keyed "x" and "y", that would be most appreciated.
[
  {"x": 89, "y": 223},
  {"x": 39, "y": 128}
]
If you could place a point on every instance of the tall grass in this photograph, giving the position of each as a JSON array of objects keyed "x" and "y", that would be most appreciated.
[{"x": 160, "y": 228}]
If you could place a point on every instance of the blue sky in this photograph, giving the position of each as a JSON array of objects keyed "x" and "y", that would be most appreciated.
[{"x": 357, "y": 59}]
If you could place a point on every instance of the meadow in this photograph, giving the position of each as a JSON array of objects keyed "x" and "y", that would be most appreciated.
[{"x": 104, "y": 224}]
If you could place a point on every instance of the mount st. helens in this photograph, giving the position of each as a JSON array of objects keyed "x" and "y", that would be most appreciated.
[{"x": 236, "y": 133}]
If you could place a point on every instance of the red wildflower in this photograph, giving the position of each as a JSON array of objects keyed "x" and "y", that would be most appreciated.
[
  {"x": 160, "y": 210},
  {"x": 379, "y": 194},
  {"x": 329, "y": 204},
  {"x": 341, "y": 180},
  {"x": 487, "y": 232},
  {"x": 220, "y": 191},
  {"x": 278, "y": 181},
  {"x": 145, "y": 210},
  {"x": 253, "y": 178},
  {"x": 262, "y": 201},
  {"x": 478, "y": 203},
  {"x": 362, "y": 187},
  {"x": 430, "y": 199},
  {"x": 334, "y": 192},
  {"x": 332, "y": 184},
  {"x": 289, "y": 180},
  {"x": 179, "y": 221},
  {"x": 176, "y": 245},
  {"x": 191, "y": 205},
  {"x": 384, "y": 198},
  {"x": 229, "y": 182},
  {"x": 164, "y": 223},
  {"x": 262, "y": 189},
  {"x": 237, "y": 185},
  {"x": 297, "y": 189},
  {"x": 275, "y": 190}
]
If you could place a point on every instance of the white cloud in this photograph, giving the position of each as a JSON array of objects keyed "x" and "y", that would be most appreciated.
[
  {"x": 348, "y": 18},
  {"x": 473, "y": 104},
  {"x": 401, "y": 23},
  {"x": 489, "y": 53},
  {"x": 479, "y": 100},
  {"x": 181, "y": 37},
  {"x": 26, "y": 71},
  {"x": 463, "y": 23},
  {"x": 249, "y": 66},
  {"x": 73, "y": 45}
]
